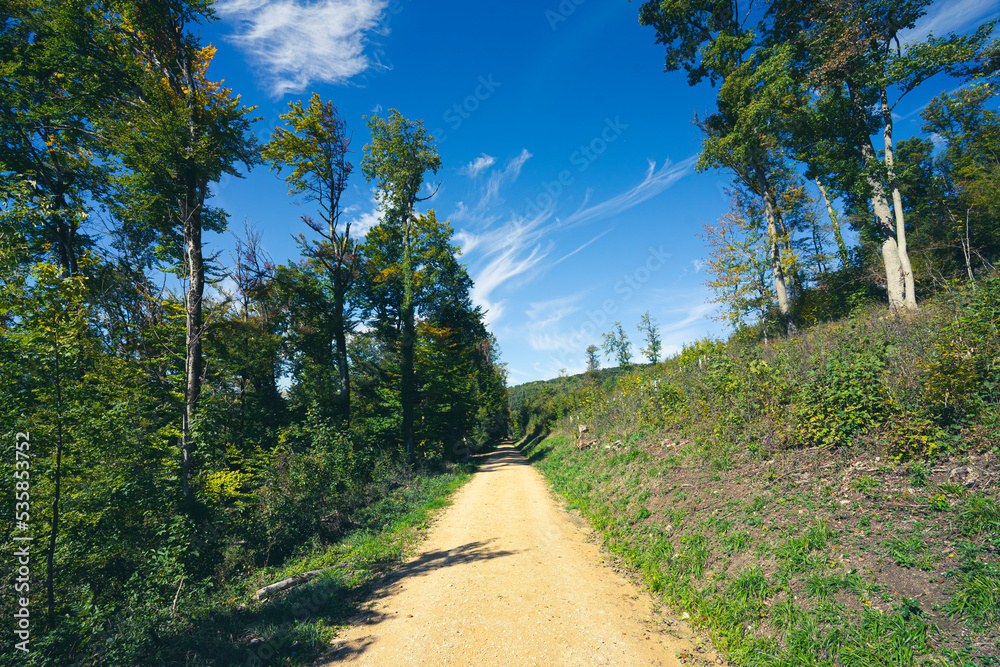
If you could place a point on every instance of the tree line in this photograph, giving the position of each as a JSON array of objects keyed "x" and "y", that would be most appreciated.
[
  {"x": 801, "y": 90},
  {"x": 193, "y": 415}
]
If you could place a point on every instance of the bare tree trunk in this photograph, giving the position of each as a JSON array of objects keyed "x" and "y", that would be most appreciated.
[
  {"x": 890, "y": 252},
  {"x": 967, "y": 247},
  {"x": 192, "y": 337},
  {"x": 966, "y": 244},
  {"x": 883, "y": 215},
  {"x": 407, "y": 398},
  {"x": 50, "y": 556},
  {"x": 845, "y": 256},
  {"x": 340, "y": 339},
  {"x": 771, "y": 215},
  {"x": 909, "y": 297}
]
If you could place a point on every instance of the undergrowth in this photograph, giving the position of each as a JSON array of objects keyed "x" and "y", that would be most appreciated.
[{"x": 212, "y": 625}]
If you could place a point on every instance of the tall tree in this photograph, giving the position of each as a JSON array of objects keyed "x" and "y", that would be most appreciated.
[
  {"x": 59, "y": 72},
  {"x": 853, "y": 54},
  {"x": 738, "y": 265},
  {"x": 651, "y": 333},
  {"x": 176, "y": 136},
  {"x": 845, "y": 257},
  {"x": 716, "y": 41},
  {"x": 616, "y": 345},
  {"x": 593, "y": 358},
  {"x": 399, "y": 155},
  {"x": 314, "y": 143},
  {"x": 951, "y": 192}
]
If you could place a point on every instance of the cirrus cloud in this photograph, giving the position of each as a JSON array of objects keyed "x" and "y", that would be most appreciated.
[{"x": 297, "y": 43}]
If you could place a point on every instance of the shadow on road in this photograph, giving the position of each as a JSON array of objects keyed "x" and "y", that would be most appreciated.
[
  {"x": 435, "y": 560},
  {"x": 505, "y": 455},
  {"x": 426, "y": 562},
  {"x": 531, "y": 440}
]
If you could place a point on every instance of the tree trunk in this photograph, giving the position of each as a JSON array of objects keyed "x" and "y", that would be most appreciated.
[
  {"x": 883, "y": 215},
  {"x": 895, "y": 287},
  {"x": 909, "y": 296},
  {"x": 50, "y": 556},
  {"x": 193, "y": 338},
  {"x": 407, "y": 398},
  {"x": 771, "y": 215},
  {"x": 340, "y": 339},
  {"x": 64, "y": 231},
  {"x": 845, "y": 256}
]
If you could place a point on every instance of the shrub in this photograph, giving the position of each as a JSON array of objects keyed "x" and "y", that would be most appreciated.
[
  {"x": 964, "y": 375},
  {"x": 843, "y": 396}
]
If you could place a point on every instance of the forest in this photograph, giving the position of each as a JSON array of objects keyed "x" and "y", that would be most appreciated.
[{"x": 175, "y": 419}]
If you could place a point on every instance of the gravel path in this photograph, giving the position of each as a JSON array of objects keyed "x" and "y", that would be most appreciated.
[{"x": 506, "y": 577}]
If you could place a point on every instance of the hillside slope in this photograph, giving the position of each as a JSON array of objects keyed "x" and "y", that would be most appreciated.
[{"x": 829, "y": 499}]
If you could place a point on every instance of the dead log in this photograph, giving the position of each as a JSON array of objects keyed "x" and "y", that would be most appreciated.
[{"x": 290, "y": 582}]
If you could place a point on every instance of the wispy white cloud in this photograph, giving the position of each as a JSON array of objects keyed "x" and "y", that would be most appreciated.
[
  {"x": 299, "y": 43},
  {"x": 505, "y": 253},
  {"x": 476, "y": 167},
  {"x": 947, "y": 16},
  {"x": 513, "y": 168},
  {"x": 578, "y": 249},
  {"x": 543, "y": 315},
  {"x": 655, "y": 182},
  {"x": 498, "y": 177},
  {"x": 362, "y": 221},
  {"x": 515, "y": 250},
  {"x": 690, "y": 315}
]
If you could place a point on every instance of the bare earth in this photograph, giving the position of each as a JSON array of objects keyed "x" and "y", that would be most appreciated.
[{"x": 506, "y": 577}]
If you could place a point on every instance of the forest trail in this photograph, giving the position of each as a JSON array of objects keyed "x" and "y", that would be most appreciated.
[{"x": 507, "y": 577}]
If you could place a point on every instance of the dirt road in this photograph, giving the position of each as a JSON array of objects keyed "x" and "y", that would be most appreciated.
[{"x": 506, "y": 577}]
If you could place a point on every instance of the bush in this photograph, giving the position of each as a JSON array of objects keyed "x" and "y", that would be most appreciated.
[
  {"x": 308, "y": 491},
  {"x": 964, "y": 376},
  {"x": 843, "y": 395}
]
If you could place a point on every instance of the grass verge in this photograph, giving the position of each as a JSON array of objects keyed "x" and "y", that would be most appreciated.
[{"x": 821, "y": 558}]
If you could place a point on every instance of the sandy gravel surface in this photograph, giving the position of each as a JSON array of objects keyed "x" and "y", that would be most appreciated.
[{"x": 506, "y": 577}]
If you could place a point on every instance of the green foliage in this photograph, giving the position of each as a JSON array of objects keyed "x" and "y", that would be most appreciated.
[
  {"x": 148, "y": 565},
  {"x": 400, "y": 153},
  {"x": 844, "y": 396},
  {"x": 963, "y": 376},
  {"x": 617, "y": 346},
  {"x": 651, "y": 334}
]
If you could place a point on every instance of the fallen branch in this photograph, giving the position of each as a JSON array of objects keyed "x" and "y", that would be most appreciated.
[{"x": 289, "y": 582}]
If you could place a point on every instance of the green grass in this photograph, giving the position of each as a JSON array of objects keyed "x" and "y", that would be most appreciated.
[
  {"x": 977, "y": 587},
  {"x": 732, "y": 608},
  {"x": 910, "y": 552},
  {"x": 979, "y": 514}
]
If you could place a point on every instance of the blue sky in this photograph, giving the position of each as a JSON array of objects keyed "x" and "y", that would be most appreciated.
[{"x": 568, "y": 154}]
